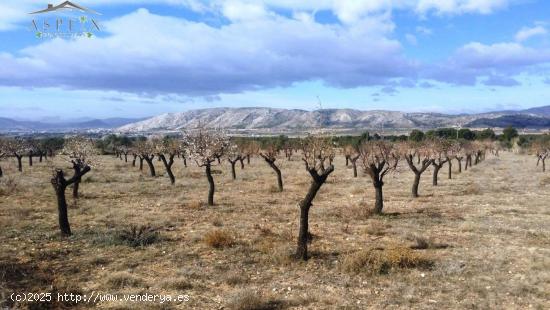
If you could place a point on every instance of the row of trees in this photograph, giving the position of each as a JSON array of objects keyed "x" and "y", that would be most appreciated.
[{"x": 377, "y": 158}]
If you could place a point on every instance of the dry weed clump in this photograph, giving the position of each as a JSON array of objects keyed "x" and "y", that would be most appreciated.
[
  {"x": 194, "y": 205},
  {"x": 376, "y": 229},
  {"x": 421, "y": 243},
  {"x": 138, "y": 236},
  {"x": 248, "y": 300},
  {"x": 471, "y": 189},
  {"x": 123, "y": 279},
  {"x": 219, "y": 239},
  {"x": 382, "y": 261},
  {"x": 179, "y": 284}
]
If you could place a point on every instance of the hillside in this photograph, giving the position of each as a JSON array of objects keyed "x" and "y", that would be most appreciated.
[{"x": 282, "y": 119}]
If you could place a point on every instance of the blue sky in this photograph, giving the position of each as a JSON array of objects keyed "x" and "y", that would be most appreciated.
[{"x": 157, "y": 56}]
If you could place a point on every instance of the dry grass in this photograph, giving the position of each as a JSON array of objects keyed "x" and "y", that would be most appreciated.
[
  {"x": 494, "y": 219},
  {"x": 384, "y": 260},
  {"x": 219, "y": 239}
]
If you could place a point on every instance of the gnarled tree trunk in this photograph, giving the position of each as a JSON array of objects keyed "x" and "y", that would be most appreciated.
[
  {"x": 149, "y": 161},
  {"x": 305, "y": 205},
  {"x": 210, "y": 183},
  {"x": 168, "y": 165},
  {"x": 354, "y": 165},
  {"x": 19, "y": 163},
  {"x": 59, "y": 184}
]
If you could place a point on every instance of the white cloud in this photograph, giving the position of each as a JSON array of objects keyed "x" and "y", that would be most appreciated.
[
  {"x": 237, "y": 10},
  {"x": 498, "y": 62},
  {"x": 528, "y": 32},
  {"x": 13, "y": 12},
  {"x": 148, "y": 53},
  {"x": 460, "y": 6}
]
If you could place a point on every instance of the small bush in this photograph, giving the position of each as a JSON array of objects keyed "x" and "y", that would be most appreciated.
[
  {"x": 422, "y": 243},
  {"x": 235, "y": 279},
  {"x": 382, "y": 261},
  {"x": 123, "y": 279},
  {"x": 136, "y": 236},
  {"x": 179, "y": 284},
  {"x": 248, "y": 300},
  {"x": 219, "y": 239},
  {"x": 376, "y": 229},
  {"x": 194, "y": 205}
]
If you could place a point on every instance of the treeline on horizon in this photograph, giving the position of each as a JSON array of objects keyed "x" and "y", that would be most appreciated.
[{"x": 108, "y": 144}]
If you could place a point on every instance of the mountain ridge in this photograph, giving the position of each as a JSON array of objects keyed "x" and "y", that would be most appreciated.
[{"x": 257, "y": 118}]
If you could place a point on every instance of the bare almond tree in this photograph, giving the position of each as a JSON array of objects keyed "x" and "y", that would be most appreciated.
[
  {"x": 352, "y": 154},
  {"x": 17, "y": 148},
  {"x": 146, "y": 151},
  {"x": 453, "y": 151},
  {"x": 269, "y": 154},
  {"x": 234, "y": 155},
  {"x": 252, "y": 148},
  {"x": 440, "y": 148},
  {"x": 424, "y": 153},
  {"x": 317, "y": 154},
  {"x": 541, "y": 149},
  {"x": 378, "y": 158},
  {"x": 80, "y": 153},
  {"x": 166, "y": 150},
  {"x": 205, "y": 147}
]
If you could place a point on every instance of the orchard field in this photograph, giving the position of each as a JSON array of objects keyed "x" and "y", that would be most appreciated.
[{"x": 480, "y": 240}]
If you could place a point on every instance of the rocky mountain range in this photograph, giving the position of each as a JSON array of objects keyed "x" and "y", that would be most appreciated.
[
  {"x": 269, "y": 120},
  {"x": 282, "y": 120}
]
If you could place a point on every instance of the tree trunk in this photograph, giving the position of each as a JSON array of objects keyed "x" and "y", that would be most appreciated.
[
  {"x": 125, "y": 157},
  {"x": 233, "y": 174},
  {"x": 354, "y": 166},
  {"x": 1, "y": 173},
  {"x": 347, "y": 160},
  {"x": 134, "y": 161},
  {"x": 59, "y": 185},
  {"x": 279, "y": 178},
  {"x": 416, "y": 183},
  {"x": 40, "y": 155},
  {"x": 379, "y": 202},
  {"x": 19, "y": 164},
  {"x": 305, "y": 205},
  {"x": 168, "y": 165},
  {"x": 30, "y": 158},
  {"x": 271, "y": 163},
  {"x": 211, "y": 185},
  {"x": 149, "y": 161},
  {"x": 248, "y": 159},
  {"x": 140, "y": 163},
  {"x": 436, "y": 172},
  {"x": 543, "y": 164},
  {"x": 242, "y": 162},
  {"x": 459, "y": 164},
  {"x": 450, "y": 172},
  {"x": 76, "y": 183}
]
